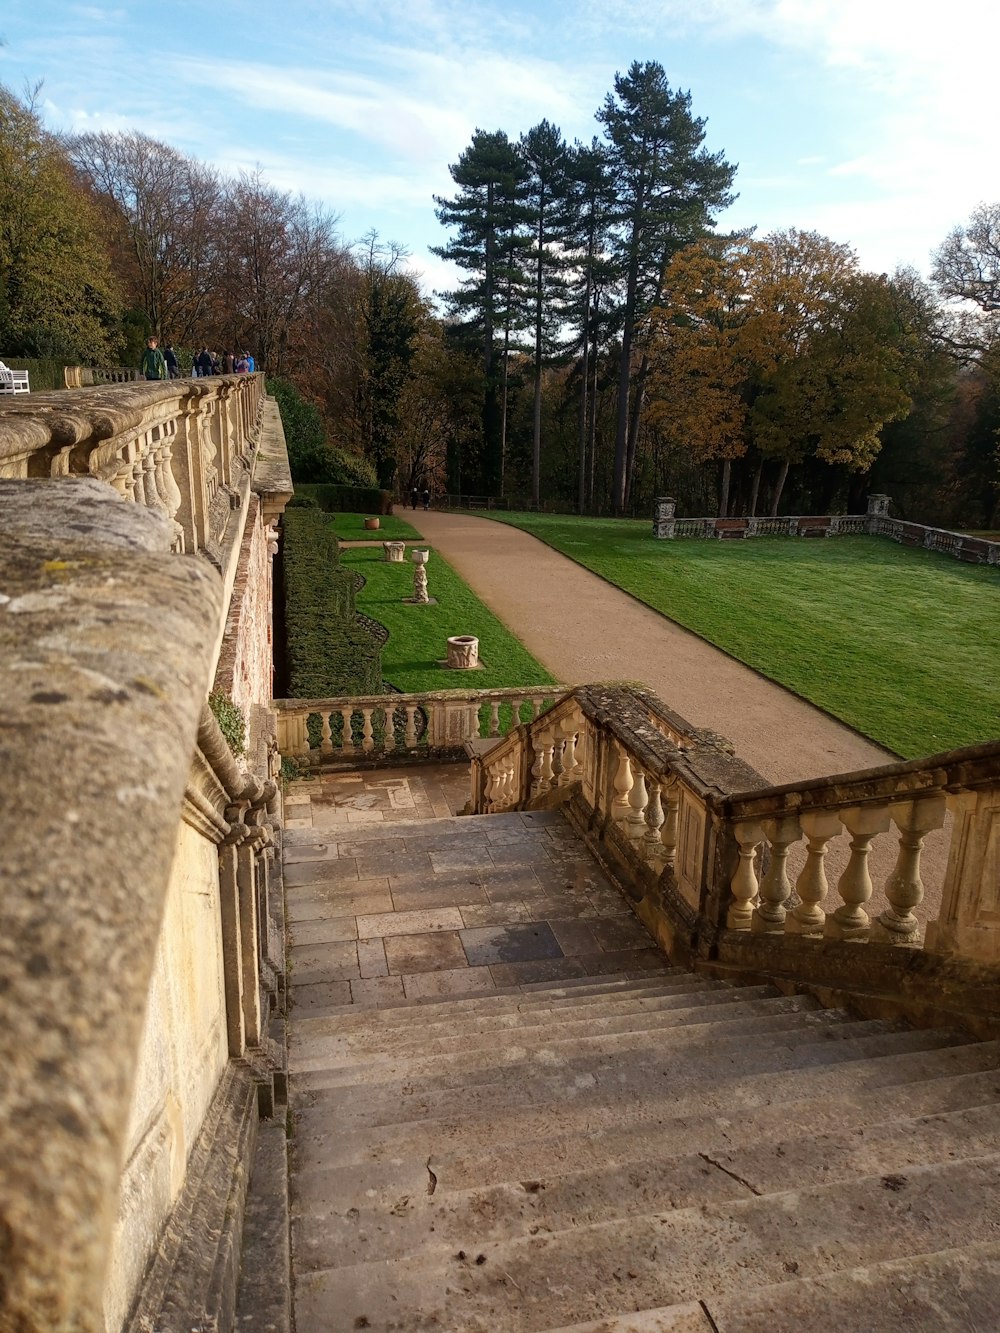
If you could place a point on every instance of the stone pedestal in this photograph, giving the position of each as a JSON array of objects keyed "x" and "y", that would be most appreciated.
[
  {"x": 463, "y": 652},
  {"x": 663, "y": 517},
  {"x": 394, "y": 552},
  {"x": 878, "y": 505},
  {"x": 419, "y": 559}
]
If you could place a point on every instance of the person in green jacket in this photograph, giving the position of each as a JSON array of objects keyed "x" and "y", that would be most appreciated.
[{"x": 153, "y": 366}]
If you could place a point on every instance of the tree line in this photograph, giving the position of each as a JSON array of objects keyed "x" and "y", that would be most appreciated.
[{"x": 607, "y": 341}]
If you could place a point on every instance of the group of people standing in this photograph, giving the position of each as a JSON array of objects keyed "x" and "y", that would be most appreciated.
[{"x": 157, "y": 365}]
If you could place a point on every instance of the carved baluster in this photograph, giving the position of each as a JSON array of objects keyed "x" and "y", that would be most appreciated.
[
  {"x": 904, "y": 887},
  {"x": 620, "y": 808},
  {"x": 545, "y": 777},
  {"x": 493, "y": 725},
  {"x": 536, "y": 708},
  {"x": 850, "y": 922},
  {"x": 775, "y": 887},
  {"x": 744, "y": 886},
  {"x": 367, "y": 731},
  {"x": 515, "y": 713},
  {"x": 638, "y": 798},
  {"x": 347, "y": 739},
  {"x": 411, "y": 726},
  {"x": 558, "y": 745},
  {"x": 326, "y": 737},
  {"x": 668, "y": 834},
  {"x": 571, "y": 761},
  {"x": 489, "y": 788},
  {"x": 509, "y": 794},
  {"x": 808, "y": 918},
  {"x": 652, "y": 842}
]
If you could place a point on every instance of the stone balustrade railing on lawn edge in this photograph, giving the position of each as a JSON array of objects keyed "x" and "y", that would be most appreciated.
[
  {"x": 876, "y": 523},
  {"x": 701, "y": 843},
  {"x": 180, "y": 447},
  {"x": 318, "y": 731}
]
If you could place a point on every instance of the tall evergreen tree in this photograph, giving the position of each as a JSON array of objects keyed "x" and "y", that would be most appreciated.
[
  {"x": 546, "y": 159},
  {"x": 485, "y": 214},
  {"x": 669, "y": 189}
]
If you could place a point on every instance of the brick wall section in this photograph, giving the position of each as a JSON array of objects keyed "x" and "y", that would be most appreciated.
[{"x": 244, "y": 671}]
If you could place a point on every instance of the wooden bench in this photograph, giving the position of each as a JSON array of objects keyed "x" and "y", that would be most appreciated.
[{"x": 13, "y": 381}]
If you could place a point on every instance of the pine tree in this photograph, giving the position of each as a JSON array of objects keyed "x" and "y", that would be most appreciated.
[{"x": 668, "y": 190}]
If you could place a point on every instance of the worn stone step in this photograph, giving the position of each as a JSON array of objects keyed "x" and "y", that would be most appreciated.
[
  {"x": 534, "y": 1024},
  {"x": 546, "y": 1047},
  {"x": 349, "y": 1217},
  {"x": 554, "y": 995},
  {"x": 729, "y": 1249},
  {"x": 864, "y": 1067},
  {"x": 690, "y": 1317},
  {"x": 564, "y": 1071},
  {"x": 949, "y": 1291}
]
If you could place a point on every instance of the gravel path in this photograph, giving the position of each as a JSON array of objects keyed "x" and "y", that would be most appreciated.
[{"x": 584, "y": 629}]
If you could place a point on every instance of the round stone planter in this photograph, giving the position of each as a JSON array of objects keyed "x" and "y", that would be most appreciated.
[
  {"x": 372, "y": 524},
  {"x": 394, "y": 552},
  {"x": 463, "y": 652}
]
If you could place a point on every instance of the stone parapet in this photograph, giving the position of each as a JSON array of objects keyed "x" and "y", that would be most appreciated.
[{"x": 106, "y": 653}]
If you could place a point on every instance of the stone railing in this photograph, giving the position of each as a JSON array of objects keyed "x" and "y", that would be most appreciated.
[
  {"x": 876, "y": 522},
  {"x": 703, "y": 845},
  {"x": 317, "y": 731},
  {"x": 182, "y": 448}
]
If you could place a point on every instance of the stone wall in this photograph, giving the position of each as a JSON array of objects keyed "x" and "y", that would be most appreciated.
[{"x": 245, "y": 662}]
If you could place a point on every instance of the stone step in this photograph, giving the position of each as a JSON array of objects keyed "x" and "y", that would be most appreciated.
[
  {"x": 522, "y": 1025},
  {"x": 634, "y": 1070},
  {"x": 662, "y": 1259},
  {"x": 690, "y": 1317},
  {"x": 950, "y": 1291},
  {"x": 546, "y": 1047},
  {"x": 419, "y": 1014},
  {"x": 866, "y": 1068},
  {"x": 351, "y": 1217}
]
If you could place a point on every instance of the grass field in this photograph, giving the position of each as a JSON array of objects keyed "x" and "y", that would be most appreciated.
[
  {"x": 351, "y": 528},
  {"x": 902, "y": 644},
  {"x": 418, "y": 634}
]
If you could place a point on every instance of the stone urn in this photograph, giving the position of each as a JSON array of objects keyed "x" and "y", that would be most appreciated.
[
  {"x": 372, "y": 524},
  {"x": 463, "y": 652},
  {"x": 394, "y": 552}
]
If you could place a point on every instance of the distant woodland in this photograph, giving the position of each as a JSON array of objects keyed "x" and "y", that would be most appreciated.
[{"x": 608, "y": 340}]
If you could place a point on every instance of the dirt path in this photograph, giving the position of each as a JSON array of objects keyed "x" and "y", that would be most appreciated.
[{"x": 584, "y": 629}]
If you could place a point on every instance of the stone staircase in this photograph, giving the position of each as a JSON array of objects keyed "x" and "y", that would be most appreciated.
[{"x": 615, "y": 1148}]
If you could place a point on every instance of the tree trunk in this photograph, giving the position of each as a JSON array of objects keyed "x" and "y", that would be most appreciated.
[
  {"x": 724, "y": 488},
  {"x": 503, "y": 408},
  {"x": 779, "y": 486},
  {"x": 581, "y": 498},
  {"x": 592, "y": 434},
  {"x": 635, "y": 417},
  {"x": 755, "y": 490}
]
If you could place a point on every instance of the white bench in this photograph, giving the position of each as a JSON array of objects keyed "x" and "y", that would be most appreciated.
[{"x": 13, "y": 381}]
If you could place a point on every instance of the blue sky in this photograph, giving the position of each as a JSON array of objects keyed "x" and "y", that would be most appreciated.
[{"x": 872, "y": 121}]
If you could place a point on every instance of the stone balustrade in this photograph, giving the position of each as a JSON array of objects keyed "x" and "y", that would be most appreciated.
[
  {"x": 702, "y": 845},
  {"x": 315, "y": 731},
  {"x": 182, "y": 448}
]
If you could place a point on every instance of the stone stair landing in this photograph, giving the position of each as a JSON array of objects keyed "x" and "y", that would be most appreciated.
[{"x": 510, "y": 1113}]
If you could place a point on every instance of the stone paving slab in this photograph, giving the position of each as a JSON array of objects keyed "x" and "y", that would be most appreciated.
[{"x": 509, "y": 944}]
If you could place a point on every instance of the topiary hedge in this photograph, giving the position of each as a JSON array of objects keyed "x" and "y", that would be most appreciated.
[
  {"x": 347, "y": 499},
  {"x": 331, "y": 649}
]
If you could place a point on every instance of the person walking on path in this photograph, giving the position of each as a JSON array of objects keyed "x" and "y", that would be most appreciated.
[
  {"x": 427, "y": 498},
  {"x": 170, "y": 356},
  {"x": 413, "y": 498},
  {"x": 153, "y": 366}
]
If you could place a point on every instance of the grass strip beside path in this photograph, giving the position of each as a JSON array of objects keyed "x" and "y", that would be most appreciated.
[
  {"x": 900, "y": 643},
  {"x": 418, "y": 634},
  {"x": 351, "y": 528}
]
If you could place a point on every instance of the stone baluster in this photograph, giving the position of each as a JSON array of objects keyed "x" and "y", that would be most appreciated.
[
  {"x": 536, "y": 707},
  {"x": 638, "y": 799},
  {"x": 493, "y": 726},
  {"x": 571, "y": 761},
  {"x": 509, "y": 783},
  {"x": 347, "y": 737},
  {"x": 489, "y": 789},
  {"x": 775, "y": 887},
  {"x": 808, "y": 918},
  {"x": 558, "y": 748},
  {"x": 744, "y": 885},
  {"x": 620, "y": 807},
  {"x": 326, "y": 738},
  {"x": 904, "y": 887},
  {"x": 515, "y": 713},
  {"x": 652, "y": 840},
  {"x": 167, "y": 485},
  {"x": 367, "y": 730},
  {"x": 411, "y": 726},
  {"x": 668, "y": 833},
  {"x": 850, "y": 921}
]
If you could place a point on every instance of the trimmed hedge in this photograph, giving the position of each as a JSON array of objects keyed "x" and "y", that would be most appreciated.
[
  {"x": 331, "y": 649},
  {"x": 44, "y": 373},
  {"x": 347, "y": 499}
]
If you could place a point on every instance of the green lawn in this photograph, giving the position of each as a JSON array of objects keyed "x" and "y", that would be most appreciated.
[
  {"x": 351, "y": 528},
  {"x": 418, "y": 634},
  {"x": 903, "y": 644}
]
